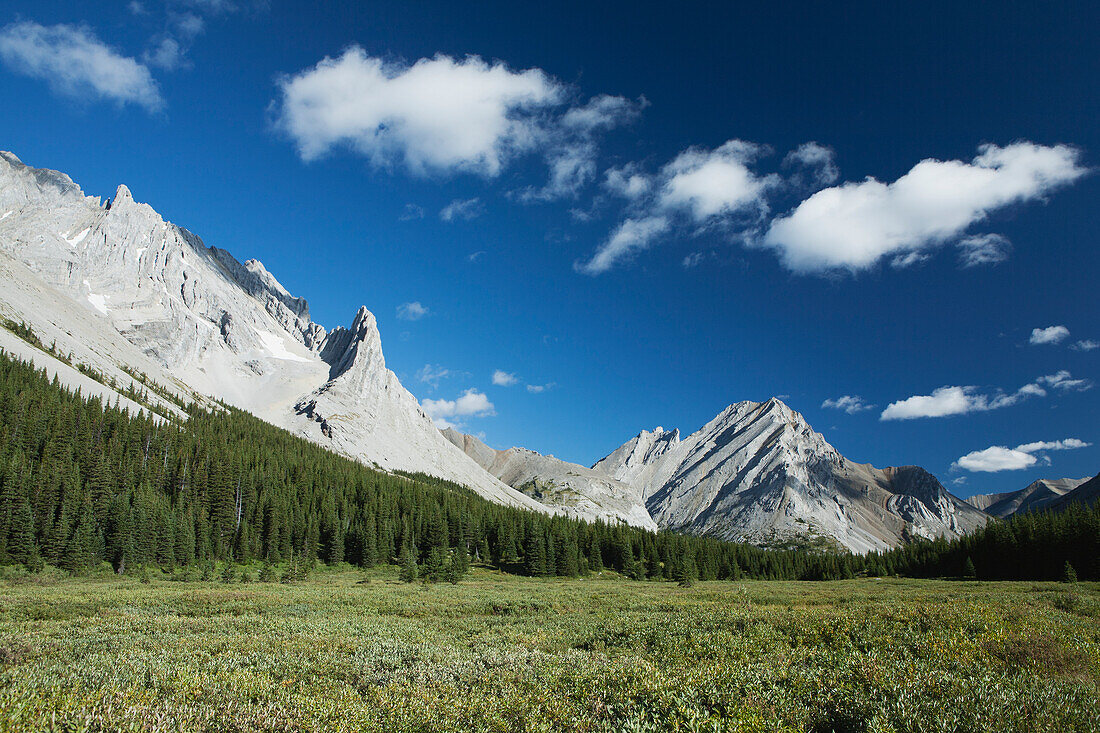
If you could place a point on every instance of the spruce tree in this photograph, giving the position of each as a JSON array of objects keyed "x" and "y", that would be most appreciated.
[
  {"x": 687, "y": 571},
  {"x": 969, "y": 571},
  {"x": 408, "y": 572},
  {"x": 534, "y": 552},
  {"x": 459, "y": 565}
]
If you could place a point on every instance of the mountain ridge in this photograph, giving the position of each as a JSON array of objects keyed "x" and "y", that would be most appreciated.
[
  {"x": 758, "y": 472},
  {"x": 206, "y": 324},
  {"x": 1033, "y": 497}
]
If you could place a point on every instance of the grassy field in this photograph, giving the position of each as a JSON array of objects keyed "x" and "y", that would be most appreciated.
[{"x": 353, "y": 651}]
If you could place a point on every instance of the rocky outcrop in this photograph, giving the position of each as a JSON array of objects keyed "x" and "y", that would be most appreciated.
[
  {"x": 758, "y": 472},
  {"x": 1033, "y": 497},
  {"x": 1084, "y": 495},
  {"x": 570, "y": 488}
]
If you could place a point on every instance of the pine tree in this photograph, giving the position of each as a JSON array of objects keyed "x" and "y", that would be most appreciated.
[
  {"x": 80, "y": 551},
  {"x": 969, "y": 571},
  {"x": 459, "y": 565},
  {"x": 534, "y": 552},
  {"x": 687, "y": 571},
  {"x": 267, "y": 572},
  {"x": 433, "y": 569},
  {"x": 21, "y": 535},
  {"x": 1069, "y": 575},
  {"x": 408, "y": 572}
]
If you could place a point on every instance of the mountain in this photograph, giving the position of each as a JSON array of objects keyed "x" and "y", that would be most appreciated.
[
  {"x": 1033, "y": 497},
  {"x": 758, "y": 472},
  {"x": 1085, "y": 494},
  {"x": 570, "y": 488},
  {"x": 125, "y": 292},
  {"x": 115, "y": 288}
]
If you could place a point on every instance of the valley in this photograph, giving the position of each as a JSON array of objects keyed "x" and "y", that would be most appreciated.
[{"x": 359, "y": 650}]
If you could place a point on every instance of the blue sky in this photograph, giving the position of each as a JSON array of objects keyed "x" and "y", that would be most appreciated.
[{"x": 636, "y": 214}]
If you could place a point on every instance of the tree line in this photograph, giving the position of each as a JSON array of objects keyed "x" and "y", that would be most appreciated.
[
  {"x": 1046, "y": 545},
  {"x": 83, "y": 483}
]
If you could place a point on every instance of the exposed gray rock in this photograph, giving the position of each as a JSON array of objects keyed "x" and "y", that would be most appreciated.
[
  {"x": 573, "y": 489},
  {"x": 154, "y": 298},
  {"x": 757, "y": 472},
  {"x": 1033, "y": 497}
]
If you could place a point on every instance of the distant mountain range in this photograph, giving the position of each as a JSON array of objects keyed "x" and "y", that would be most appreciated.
[
  {"x": 757, "y": 472},
  {"x": 124, "y": 292},
  {"x": 1042, "y": 494}
]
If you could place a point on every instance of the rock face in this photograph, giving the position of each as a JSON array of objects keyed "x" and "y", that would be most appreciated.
[
  {"x": 1086, "y": 494},
  {"x": 570, "y": 488},
  {"x": 1033, "y": 497},
  {"x": 758, "y": 472},
  {"x": 119, "y": 287}
]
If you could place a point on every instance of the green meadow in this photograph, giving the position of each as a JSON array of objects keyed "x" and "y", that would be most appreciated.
[{"x": 351, "y": 650}]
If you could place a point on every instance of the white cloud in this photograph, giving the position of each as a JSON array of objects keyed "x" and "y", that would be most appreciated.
[
  {"x": 851, "y": 404},
  {"x": 75, "y": 63},
  {"x": 1086, "y": 345},
  {"x": 136, "y": 8},
  {"x": 471, "y": 404},
  {"x": 632, "y": 236},
  {"x": 539, "y": 388},
  {"x": 1067, "y": 444},
  {"x": 628, "y": 182},
  {"x": 983, "y": 249},
  {"x": 1001, "y": 458},
  {"x": 168, "y": 54},
  {"x": 438, "y": 115},
  {"x": 1064, "y": 381},
  {"x": 432, "y": 375},
  {"x": 571, "y": 167},
  {"x": 692, "y": 260},
  {"x": 1049, "y": 335},
  {"x": 709, "y": 183},
  {"x": 817, "y": 159},
  {"x": 854, "y": 225},
  {"x": 942, "y": 402},
  {"x": 699, "y": 187},
  {"x": 996, "y": 458},
  {"x": 502, "y": 378},
  {"x": 603, "y": 112},
  {"x": 473, "y": 256},
  {"x": 947, "y": 401},
  {"x": 908, "y": 259},
  {"x": 570, "y": 145},
  {"x": 462, "y": 209},
  {"x": 411, "y": 212},
  {"x": 189, "y": 25},
  {"x": 413, "y": 311}
]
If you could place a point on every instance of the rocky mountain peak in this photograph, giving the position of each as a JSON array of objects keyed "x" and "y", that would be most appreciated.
[
  {"x": 121, "y": 288},
  {"x": 356, "y": 350},
  {"x": 291, "y": 312}
]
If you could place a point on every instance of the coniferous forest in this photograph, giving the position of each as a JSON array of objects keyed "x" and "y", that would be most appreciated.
[{"x": 83, "y": 483}]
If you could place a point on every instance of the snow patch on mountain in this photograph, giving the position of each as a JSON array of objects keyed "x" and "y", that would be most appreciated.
[
  {"x": 79, "y": 237},
  {"x": 275, "y": 346}
]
